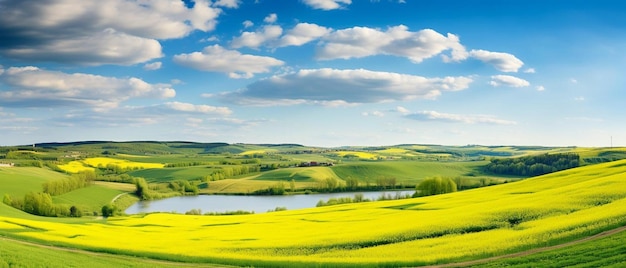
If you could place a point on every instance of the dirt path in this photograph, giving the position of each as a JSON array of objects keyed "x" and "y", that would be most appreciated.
[
  {"x": 117, "y": 196},
  {"x": 533, "y": 251},
  {"x": 107, "y": 255}
]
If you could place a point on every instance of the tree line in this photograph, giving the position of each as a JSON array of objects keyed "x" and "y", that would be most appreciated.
[{"x": 533, "y": 165}]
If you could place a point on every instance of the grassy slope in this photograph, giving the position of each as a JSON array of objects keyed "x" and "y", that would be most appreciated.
[
  {"x": 170, "y": 174},
  {"x": 606, "y": 252},
  {"x": 466, "y": 225},
  {"x": 407, "y": 172},
  {"x": 18, "y": 181},
  {"x": 89, "y": 199}
]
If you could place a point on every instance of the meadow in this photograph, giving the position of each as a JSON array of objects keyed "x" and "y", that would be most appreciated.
[
  {"x": 518, "y": 214},
  {"x": 460, "y": 226}
]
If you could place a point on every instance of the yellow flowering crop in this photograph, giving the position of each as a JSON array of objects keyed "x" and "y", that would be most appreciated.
[{"x": 436, "y": 229}]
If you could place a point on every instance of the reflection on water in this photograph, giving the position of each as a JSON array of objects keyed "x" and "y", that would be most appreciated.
[{"x": 258, "y": 204}]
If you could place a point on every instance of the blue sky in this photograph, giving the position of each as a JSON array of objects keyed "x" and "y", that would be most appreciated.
[{"x": 314, "y": 72}]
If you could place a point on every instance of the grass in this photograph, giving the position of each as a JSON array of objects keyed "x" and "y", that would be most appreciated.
[
  {"x": 89, "y": 199},
  {"x": 17, "y": 254},
  {"x": 406, "y": 172},
  {"x": 170, "y": 174},
  {"x": 460, "y": 226},
  {"x": 18, "y": 181},
  {"x": 308, "y": 174},
  {"x": 605, "y": 252}
]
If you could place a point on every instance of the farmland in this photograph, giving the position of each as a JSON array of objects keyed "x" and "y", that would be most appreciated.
[{"x": 515, "y": 215}]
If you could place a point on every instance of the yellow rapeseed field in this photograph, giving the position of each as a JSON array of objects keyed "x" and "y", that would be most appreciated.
[
  {"x": 362, "y": 155},
  {"x": 75, "y": 167},
  {"x": 104, "y": 161},
  {"x": 463, "y": 225}
]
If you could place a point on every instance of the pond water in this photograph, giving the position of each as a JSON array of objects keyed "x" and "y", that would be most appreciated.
[{"x": 258, "y": 204}]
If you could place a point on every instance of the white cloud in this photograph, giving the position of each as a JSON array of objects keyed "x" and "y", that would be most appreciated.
[
  {"x": 105, "y": 47},
  {"x": 82, "y": 32},
  {"x": 227, "y": 3},
  {"x": 218, "y": 59},
  {"x": 247, "y": 24},
  {"x": 360, "y": 42},
  {"x": 458, "y": 118},
  {"x": 193, "y": 108},
  {"x": 34, "y": 87},
  {"x": 503, "y": 62},
  {"x": 374, "y": 113},
  {"x": 210, "y": 39},
  {"x": 327, "y": 4},
  {"x": 152, "y": 66},
  {"x": 342, "y": 87},
  {"x": 581, "y": 98},
  {"x": 530, "y": 71},
  {"x": 573, "y": 81},
  {"x": 402, "y": 110},
  {"x": 255, "y": 39},
  {"x": 303, "y": 33},
  {"x": 271, "y": 18},
  {"x": 509, "y": 81},
  {"x": 540, "y": 88}
]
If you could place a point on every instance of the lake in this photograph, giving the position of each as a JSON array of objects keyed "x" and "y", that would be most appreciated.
[{"x": 258, "y": 204}]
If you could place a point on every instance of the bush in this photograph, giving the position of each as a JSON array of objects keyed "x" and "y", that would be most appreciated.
[{"x": 434, "y": 186}]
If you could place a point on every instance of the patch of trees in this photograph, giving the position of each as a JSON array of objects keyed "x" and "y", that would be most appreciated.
[
  {"x": 606, "y": 156},
  {"x": 188, "y": 164},
  {"x": 184, "y": 187},
  {"x": 533, "y": 165},
  {"x": 232, "y": 171},
  {"x": 75, "y": 181},
  {"x": 40, "y": 204},
  {"x": 434, "y": 186}
]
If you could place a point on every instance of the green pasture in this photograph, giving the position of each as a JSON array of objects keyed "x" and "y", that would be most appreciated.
[
  {"x": 609, "y": 251},
  {"x": 406, "y": 172},
  {"x": 170, "y": 174},
  {"x": 18, "y": 181},
  {"x": 19, "y": 254},
  {"x": 298, "y": 174},
  {"x": 89, "y": 199}
]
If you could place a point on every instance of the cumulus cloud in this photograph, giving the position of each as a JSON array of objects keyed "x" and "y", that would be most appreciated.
[
  {"x": 193, "y": 108},
  {"x": 503, "y": 62},
  {"x": 530, "y": 71},
  {"x": 327, "y": 4},
  {"x": 358, "y": 42},
  {"x": 332, "y": 87},
  {"x": 303, "y": 33},
  {"x": 218, "y": 59},
  {"x": 152, "y": 66},
  {"x": 374, "y": 113},
  {"x": 402, "y": 110},
  {"x": 34, "y": 87},
  {"x": 540, "y": 88},
  {"x": 227, "y": 3},
  {"x": 87, "y": 32},
  {"x": 271, "y": 18},
  {"x": 507, "y": 80},
  {"x": 247, "y": 24},
  {"x": 458, "y": 118},
  {"x": 255, "y": 39}
]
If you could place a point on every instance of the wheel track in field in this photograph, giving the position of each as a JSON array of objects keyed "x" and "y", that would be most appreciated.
[
  {"x": 146, "y": 261},
  {"x": 457, "y": 264},
  {"x": 532, "y": 251}
]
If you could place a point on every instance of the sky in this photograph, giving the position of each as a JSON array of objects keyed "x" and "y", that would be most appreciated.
[{"x": 314, "y": 72}]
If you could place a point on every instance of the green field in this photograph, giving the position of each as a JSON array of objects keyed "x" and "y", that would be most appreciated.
[{"x": 516, "y": 216}]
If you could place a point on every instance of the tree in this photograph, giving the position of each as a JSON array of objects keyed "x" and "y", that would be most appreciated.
[
  {"x": 142, "y": 189},
  {"x": 75, "y": 212},
  {"x": 108, "y": 210},
  {"x": 434, "y": 186}
]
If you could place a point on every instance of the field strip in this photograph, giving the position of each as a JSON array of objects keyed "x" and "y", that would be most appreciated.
[
  {"x": 237, "y": 181},
  {"x": 533, "y": 251},
  {"x": 99, "y": 254},
  {"x": 117, "y": 196}
]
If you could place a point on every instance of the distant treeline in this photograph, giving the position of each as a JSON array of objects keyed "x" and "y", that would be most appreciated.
[{"x": 533, "y": 165}]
